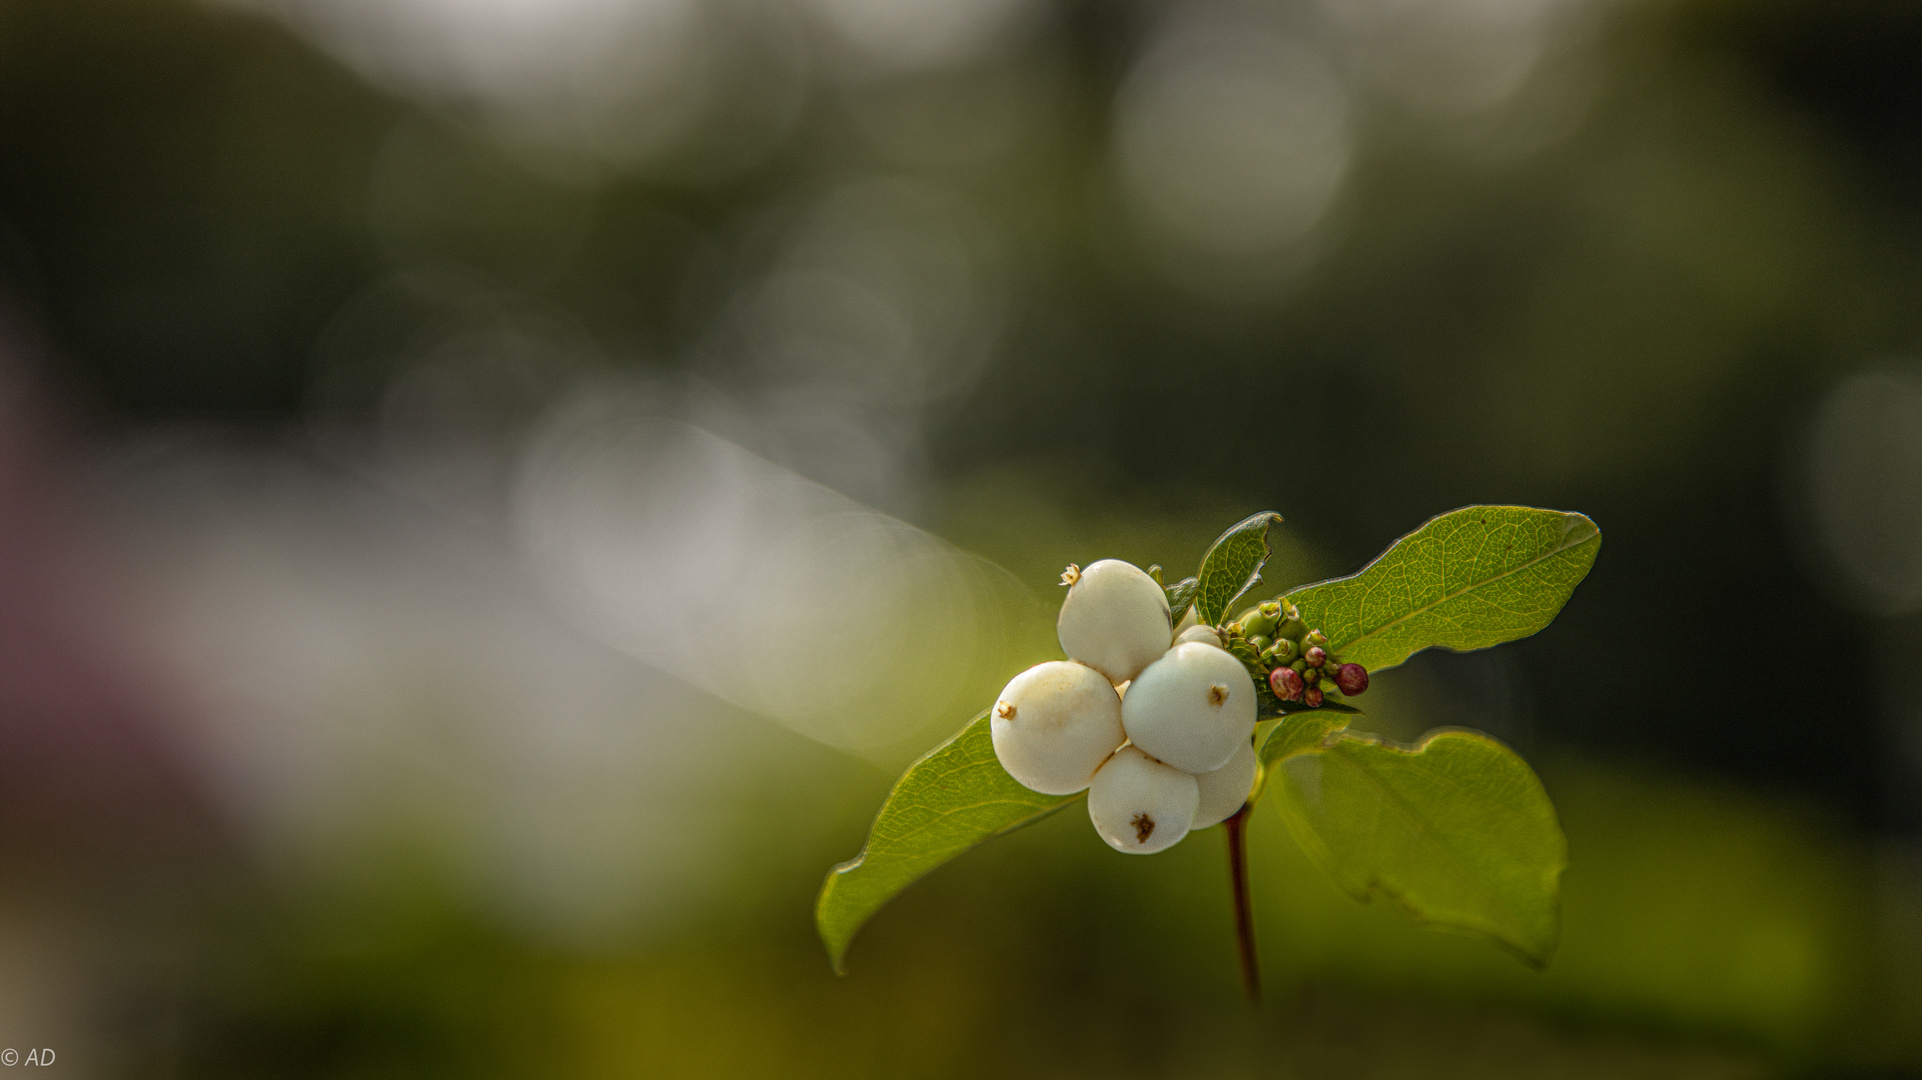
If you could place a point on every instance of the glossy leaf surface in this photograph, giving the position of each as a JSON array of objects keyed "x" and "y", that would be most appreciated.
[
  {"x": 1455, "y": 830},
  {"x": 1232, "y": 566},
  {"x": 952, "y": 799},
  {"x": 1467, "y": 579}
]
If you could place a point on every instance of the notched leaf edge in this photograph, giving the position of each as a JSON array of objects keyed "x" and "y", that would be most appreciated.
[
  {"x": 1262, "y": 521},
  {"x": 1374, "y": 886}
]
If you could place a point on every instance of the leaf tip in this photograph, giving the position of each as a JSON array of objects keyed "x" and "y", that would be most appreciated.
[{"x": 835, "y": 941}]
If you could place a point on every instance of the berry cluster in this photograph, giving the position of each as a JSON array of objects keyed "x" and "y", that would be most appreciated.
[
  {"x": 1294, "y": 659},
  {"x": 1158, "y": 731}
]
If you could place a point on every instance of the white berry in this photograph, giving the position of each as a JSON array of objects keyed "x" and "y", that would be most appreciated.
[
  {"x": 1115, "y": 619},
  {"x": 1140, "y": 805},
  {"x": 1226, "y": 789},
  {"x": 1204, "y": 634},
  {"x": 1192, "y": 707},
  {"x": 1054, "y": 724}
]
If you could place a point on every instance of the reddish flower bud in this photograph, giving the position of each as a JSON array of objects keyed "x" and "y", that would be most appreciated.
[
  {"x": 1286, "y": 684},
  {"x": 1315, "y": 655},
  {"x": 1352, "y": 678},
  {"x": 1311, "y": 697}
]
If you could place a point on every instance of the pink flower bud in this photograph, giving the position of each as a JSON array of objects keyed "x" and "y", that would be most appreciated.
[
  {"x": 1352, "y": 678},
  {"x": 1312, "y": 697},
  {"x": 1286, "y": 683}
]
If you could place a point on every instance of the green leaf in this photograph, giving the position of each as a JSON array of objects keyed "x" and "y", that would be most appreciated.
[
  {"x": 1282, "y": 738},
  {"x": 1232, "y": 566},
  {"x": 1455, "y": 830},
  {"x": 952, "y": 799},
  {"x": 1180, "y": 595},
  {"x": 1299, "y": 732},
  {"x": 1468, "y": 579}
]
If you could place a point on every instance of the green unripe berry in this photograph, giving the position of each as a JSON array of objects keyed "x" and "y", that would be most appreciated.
[
  {"x": 1260, "y": 643},
  {"x": 1261, "y": 619},
  {"x": 1284, "y": 650}
]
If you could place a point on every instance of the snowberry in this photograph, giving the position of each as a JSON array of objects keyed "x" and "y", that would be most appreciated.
[
  {"x": 1054, "y": 725},
  {"x": 1191, "y": 708},
  {"x": 1204, "y": 634},
  {"x": 1115, "y": 618},
  {"x": 1224, "y": 790},
  {"x": 1140, "y": 805}
]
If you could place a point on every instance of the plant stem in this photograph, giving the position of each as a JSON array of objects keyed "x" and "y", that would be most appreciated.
[{"x": 1244, "y": 903}]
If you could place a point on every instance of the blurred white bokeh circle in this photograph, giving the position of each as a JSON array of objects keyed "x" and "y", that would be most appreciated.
[
  {"x": 923, "y": 34},
  {"x": 1444, "y": 58},
  {"x": 1863, "y": 476},
  {"x": 1231, "y": 139}
]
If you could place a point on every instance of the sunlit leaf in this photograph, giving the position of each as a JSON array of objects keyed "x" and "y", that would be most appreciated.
[
  {"x": 1232, "y": 566},
  {"x": 1468, "y": 579},
  {"x": 1455, "y": 830},
  {"x": 1298, "y": 733},
  {"x": 952, "y": 799},
  {"x": 1281, "y": 738}
]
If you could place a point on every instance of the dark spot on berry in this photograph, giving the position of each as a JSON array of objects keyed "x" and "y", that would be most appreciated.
[
  {"x": 1144, "y": 828},
  {"x": 1217, "y": 694},
  {"x": 1004, "y": 710}
]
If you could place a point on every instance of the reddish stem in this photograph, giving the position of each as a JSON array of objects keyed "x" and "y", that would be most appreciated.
[{"x": 1244, "y": 903}]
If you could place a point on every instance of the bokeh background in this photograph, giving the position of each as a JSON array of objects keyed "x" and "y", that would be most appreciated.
[{"x": 492, "y": 491}]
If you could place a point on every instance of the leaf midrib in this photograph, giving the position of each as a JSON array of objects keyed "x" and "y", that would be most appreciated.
[
  {"x": 1423, "y": 610},
  {"x": 942, "y": 816}
]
